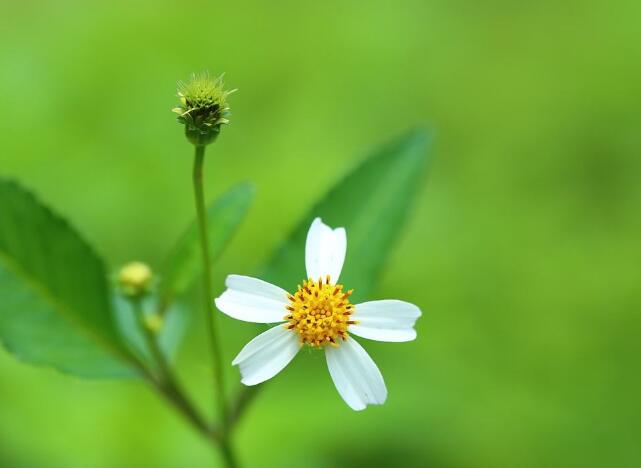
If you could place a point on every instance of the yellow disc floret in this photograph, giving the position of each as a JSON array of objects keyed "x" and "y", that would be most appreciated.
[{"x": 320, "y": 312}]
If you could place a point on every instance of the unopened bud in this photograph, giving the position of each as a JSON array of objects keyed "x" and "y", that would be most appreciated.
[
  {"x": 203, "y": 108},
  {"x": 154, "y": 322},
  {"x": 134, "y": 279}
]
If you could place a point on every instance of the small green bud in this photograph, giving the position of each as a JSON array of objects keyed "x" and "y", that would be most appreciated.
[
  {"x": 154, "y": 322},
  {"x": 203, "y": 107},
  {"x": 134, "y": 279}
]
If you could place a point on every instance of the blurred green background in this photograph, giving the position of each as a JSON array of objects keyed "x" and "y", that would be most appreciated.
[{"x": 523, "y": 249}]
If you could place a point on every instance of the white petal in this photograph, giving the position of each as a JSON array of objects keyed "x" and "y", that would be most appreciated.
[
  {"x": 253, "y": 300},
  {"x": 267, "y": 354},
  {"x": 325, "y": 251},
  {"x": 388, "y": 320},
  {"x": 355, "y": 375}
]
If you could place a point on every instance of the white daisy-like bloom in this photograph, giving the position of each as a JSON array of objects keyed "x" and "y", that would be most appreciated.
[{"x": 319, "y": 314}]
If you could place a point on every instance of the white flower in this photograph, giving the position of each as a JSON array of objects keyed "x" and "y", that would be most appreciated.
[{"x": 320, "y": 315}]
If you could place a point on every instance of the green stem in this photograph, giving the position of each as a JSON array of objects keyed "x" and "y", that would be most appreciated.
[
  {"x": 166, "y": 383},
  {"x": 228, "y": 454},
  {"x": 240, "y": 402},
  {"x": 175, "y": 397},
  {"x": 210, "y": 317}
]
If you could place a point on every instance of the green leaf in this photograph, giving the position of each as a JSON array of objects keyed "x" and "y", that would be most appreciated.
[
  {"x": 54, "y": 301},
  {"x": 371, "y": 202},
  {"x": 184, "y": 264}
]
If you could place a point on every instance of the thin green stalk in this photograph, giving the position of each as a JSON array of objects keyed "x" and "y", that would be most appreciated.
[
  {"x": 176, "y": 398},
  {"x": 210, "y": 317},
  {"x": 228, "y": 454},
  {"x": 166, "y": 383},
  {"x": 240, "y": 402}
]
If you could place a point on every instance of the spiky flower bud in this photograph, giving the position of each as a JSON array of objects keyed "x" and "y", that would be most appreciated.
[
  {"x": 203, "y": 107},
  {"x": 135, "y": 279}
]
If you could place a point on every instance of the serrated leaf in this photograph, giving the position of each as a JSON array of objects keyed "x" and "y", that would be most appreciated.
[
  {"x": 54, "y": 300},
  {"x": 184, "y": 264},
  {"x": 371, "y": 202}
]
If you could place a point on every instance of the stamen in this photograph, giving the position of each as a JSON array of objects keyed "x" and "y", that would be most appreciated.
[{"x": 319, "y": 312}]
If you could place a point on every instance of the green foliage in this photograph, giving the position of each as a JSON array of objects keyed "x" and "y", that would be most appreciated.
[
  {"x": 55, "y": 307},
  {"x": 371, "y": 202},
  {"x": 184, "y": 264}
]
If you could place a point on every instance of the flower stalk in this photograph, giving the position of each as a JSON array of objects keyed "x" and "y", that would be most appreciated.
[
  {"x": 210, "y": 317},
  {"x": 203, "y": 110},
  {"x": 164, "y": 379}
]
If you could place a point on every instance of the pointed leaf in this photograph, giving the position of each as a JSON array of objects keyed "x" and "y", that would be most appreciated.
[
  {"x": 184, "y": 264},
  {"x": 371, "y": 202},
  {"x": 54, "y": 302}
]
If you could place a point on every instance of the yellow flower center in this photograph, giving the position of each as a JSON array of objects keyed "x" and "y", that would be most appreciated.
[{"x": 320, "y": 312}]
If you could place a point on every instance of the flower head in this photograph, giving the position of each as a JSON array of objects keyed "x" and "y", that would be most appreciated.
[
  {"x": 134, "y": 279},
  {"x": 203, "y": 107},
  {"x": 320, "y": 315}
]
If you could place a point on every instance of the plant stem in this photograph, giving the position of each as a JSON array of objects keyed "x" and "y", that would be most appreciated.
[
  {"x": 174, "y": 395},
  {"x": 166, "y": 383},
  {"x": 242, "y": 399},
  {"x": 210, "y": 317},
  {"x": 228, "y": 454}
]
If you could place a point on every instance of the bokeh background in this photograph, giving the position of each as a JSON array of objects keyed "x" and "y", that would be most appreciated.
[{"x": 522, "y": 249}]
